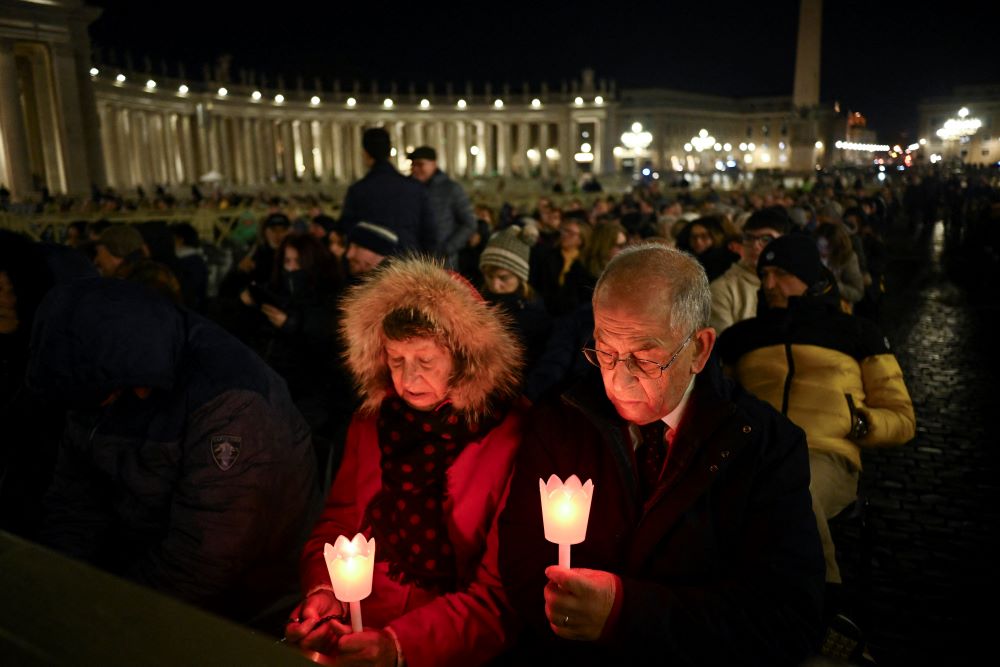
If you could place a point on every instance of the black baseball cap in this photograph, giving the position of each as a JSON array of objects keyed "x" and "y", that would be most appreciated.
[{"x": 423, "y": 153}]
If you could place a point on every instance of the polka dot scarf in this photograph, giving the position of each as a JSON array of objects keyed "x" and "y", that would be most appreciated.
[{"x": 407, "y": 515}]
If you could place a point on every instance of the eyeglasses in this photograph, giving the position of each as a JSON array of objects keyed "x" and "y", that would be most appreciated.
[
  {"x": 644, "y": 368},
  {"x": 762, "y": 239}
]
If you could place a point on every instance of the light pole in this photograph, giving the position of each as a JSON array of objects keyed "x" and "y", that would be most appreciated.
[
  {"x": 636, "y": 140},
  {"x": 959, "y": 129}
]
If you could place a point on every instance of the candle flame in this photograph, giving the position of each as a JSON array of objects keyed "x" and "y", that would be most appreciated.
[{"x": 565, "y": 509}]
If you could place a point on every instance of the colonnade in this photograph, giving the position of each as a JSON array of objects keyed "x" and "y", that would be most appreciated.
[{"x": 185, "y": 140}]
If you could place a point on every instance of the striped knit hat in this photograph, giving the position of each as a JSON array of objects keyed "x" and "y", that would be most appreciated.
[{"x": 508, "y": 249}]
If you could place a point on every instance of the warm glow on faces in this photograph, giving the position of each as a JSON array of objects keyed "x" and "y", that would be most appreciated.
[
  {"x": 700, "y": 239},
  {"x": 106, "y": 263},
  {"x": 779, "y": 284},
  {"x": 291, "y": 260},
  {"x": 422, "y": 170},
  {"x": 421, "y": 371},
  {"x": 751, "y": 251},
  {"x": 569, "y": 236},
  {"x": 500, "y": 281},
  {"x": 628, "y": 326}
]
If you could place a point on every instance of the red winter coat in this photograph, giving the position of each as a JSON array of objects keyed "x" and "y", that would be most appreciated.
[{"x": 461, "y": 628}]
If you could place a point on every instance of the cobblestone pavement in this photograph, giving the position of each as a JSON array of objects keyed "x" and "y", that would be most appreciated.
[{"x": 934, "y": 514}]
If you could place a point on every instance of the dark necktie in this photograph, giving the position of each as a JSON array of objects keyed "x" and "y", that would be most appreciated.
[{"x": 650, "y": 456}]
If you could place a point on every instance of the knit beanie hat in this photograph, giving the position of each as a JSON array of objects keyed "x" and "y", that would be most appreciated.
[
  {"x": 376, "y": 238},
  {"x": 795, "y": 253},
  {"x": 121, "y": 240},
  {"x": 508, "y": 249}
]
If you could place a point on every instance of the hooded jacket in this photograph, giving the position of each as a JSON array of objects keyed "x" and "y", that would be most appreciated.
[
  {"x": 203, "y": 489},
  {"x": 819, "y": 366},
  {"x": 464, "y": 627}
]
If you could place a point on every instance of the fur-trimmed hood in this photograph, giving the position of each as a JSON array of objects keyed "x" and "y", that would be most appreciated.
[{"x": 480, "y": 334}]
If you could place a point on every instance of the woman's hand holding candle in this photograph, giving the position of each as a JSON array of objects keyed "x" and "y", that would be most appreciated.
[{"x": 317, "y": 622}]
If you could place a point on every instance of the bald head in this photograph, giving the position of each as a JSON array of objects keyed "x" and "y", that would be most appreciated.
[{"x": 654, "y": 280}]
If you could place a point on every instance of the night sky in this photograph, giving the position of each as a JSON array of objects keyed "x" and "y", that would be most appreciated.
[{"x": 879, "y": 58}]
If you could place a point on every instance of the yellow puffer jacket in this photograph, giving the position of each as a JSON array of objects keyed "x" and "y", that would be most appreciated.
[{"x": 818, "y": 366}]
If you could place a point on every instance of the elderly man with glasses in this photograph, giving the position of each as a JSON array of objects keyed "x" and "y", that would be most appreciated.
[
  {"x": 734, "y": 293},
  {"x": 701, "y": 546}
]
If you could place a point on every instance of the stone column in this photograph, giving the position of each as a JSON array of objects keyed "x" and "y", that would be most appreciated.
[
  {"x": 109, "y": 145},
  {"x": 188, "y": 159},
  {"x": 204, "y": 154},
  {"x": 224, "y": 139},
  {"x": 238, "y": 150},
  {"x": 523, "y": 144},
  {"x": 503, "y": 148},
  {"x": 479, "y": 161},
  {"x": 77, "y": 113},
  {"x": 139, "y": 144},
  {"x": 306, "y": 141},
  {"x": 273, "y": 160},
  {"x": 337, "y": 150},
  {"x": 154, "y": 144},
  {"x": 249, "y": 150},
  {"x": 14, "y": 135},
  {"x": 326, "y": 150},
  {"x": 127, "y": 157},
  {"x": 49, "y": 127},
  {"x": 543, "y": 146},
  {"x": 288, "y": 151},
  {"x": 442, "y": 145},
  {"x": 461, "y": 150},
  {"x": 567, "y": 137}
]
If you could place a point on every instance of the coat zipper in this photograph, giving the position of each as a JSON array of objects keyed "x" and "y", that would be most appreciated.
[{"x": 788, "y": 378}]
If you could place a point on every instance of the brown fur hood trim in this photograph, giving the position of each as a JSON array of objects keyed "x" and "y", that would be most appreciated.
[{"x": 479, "y": 333}]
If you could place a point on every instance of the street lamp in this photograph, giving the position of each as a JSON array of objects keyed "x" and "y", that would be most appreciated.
[{"x": 637, "y": 140}]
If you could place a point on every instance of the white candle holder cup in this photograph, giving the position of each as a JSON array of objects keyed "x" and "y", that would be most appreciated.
[
  {"x": 351, "y": 564},
  {"x": 565, "y": 512}
]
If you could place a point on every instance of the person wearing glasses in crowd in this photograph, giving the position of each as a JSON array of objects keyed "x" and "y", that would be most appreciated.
[
  {"x": 734, "y": 293},
  {"x": 701, "y": 546}
]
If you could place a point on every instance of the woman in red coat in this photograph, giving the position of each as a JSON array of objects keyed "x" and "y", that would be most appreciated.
[{"x": 425, "y": 472}]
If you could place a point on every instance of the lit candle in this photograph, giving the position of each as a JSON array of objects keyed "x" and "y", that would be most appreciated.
[
  {"x": 565, "y": 511},
  {"x": 351, "y": 563}
]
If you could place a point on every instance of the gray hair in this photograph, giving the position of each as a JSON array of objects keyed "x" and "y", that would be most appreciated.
[{"x": 672, "y": 280}]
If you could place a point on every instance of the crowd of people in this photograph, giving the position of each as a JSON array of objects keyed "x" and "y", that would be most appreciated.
[{"x": 713, "y": 363}]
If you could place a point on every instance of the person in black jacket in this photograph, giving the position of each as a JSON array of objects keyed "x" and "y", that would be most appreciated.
[
  {"x": 701, "y": 547},
  {"x": 388, "y": 199},
  {"x": 184, "y": 465}
]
